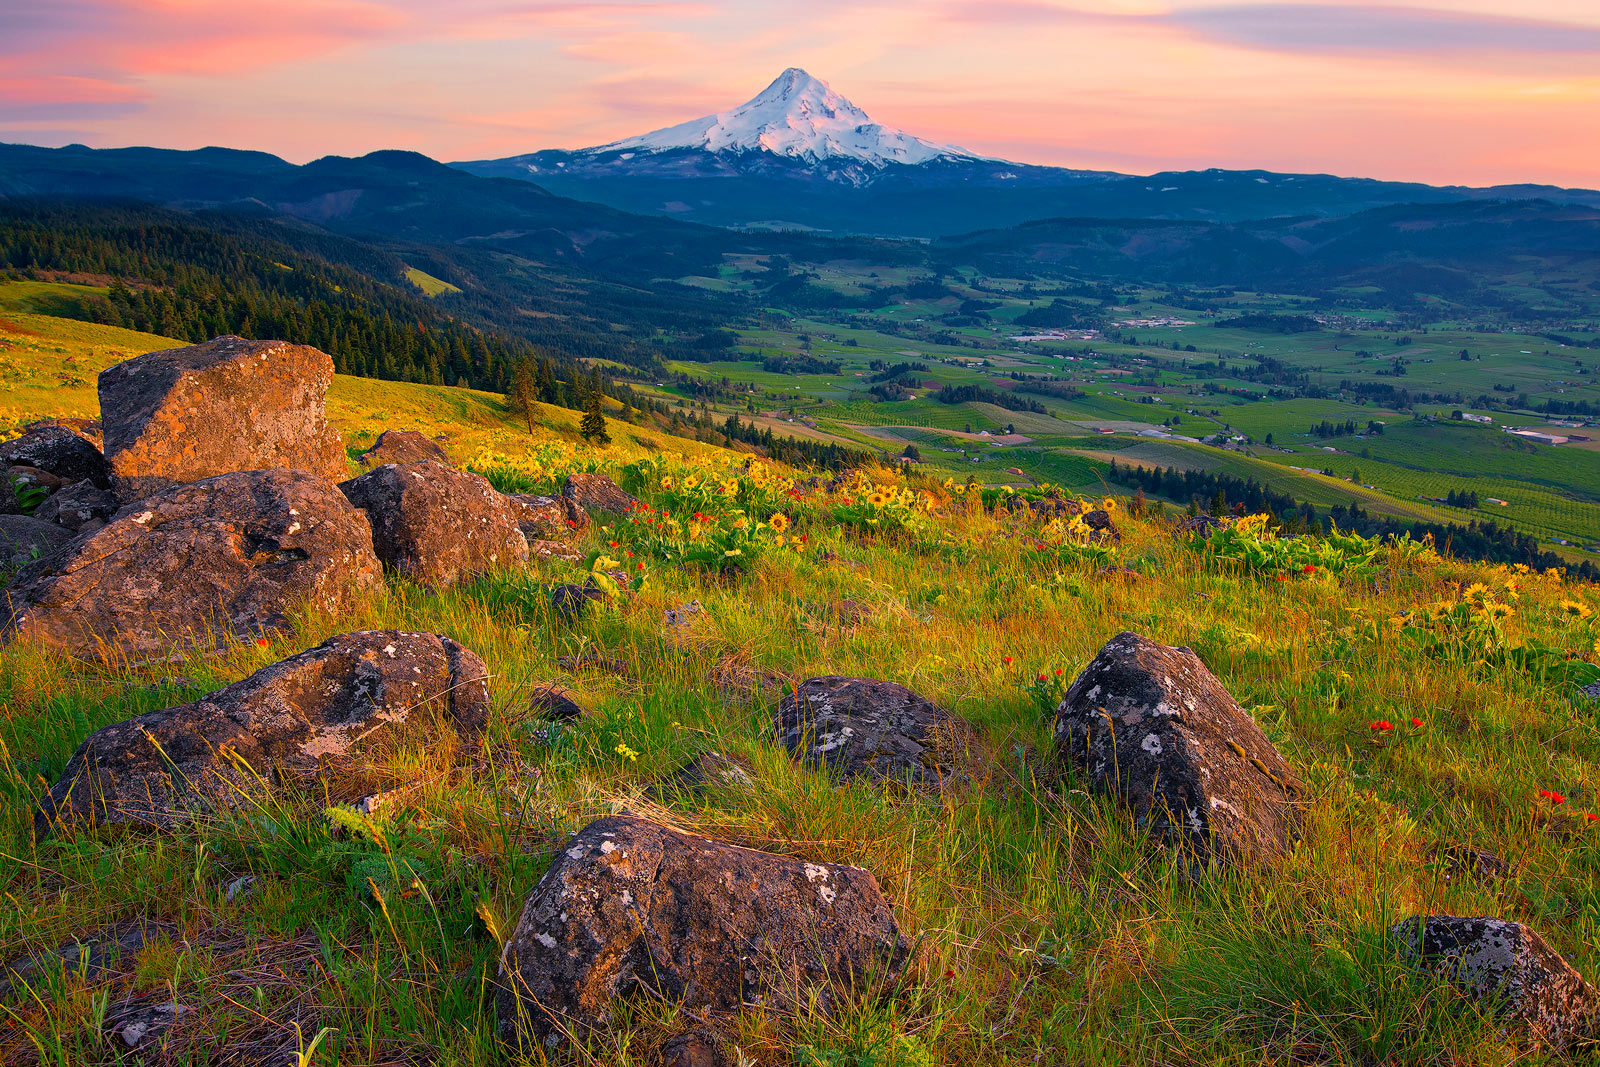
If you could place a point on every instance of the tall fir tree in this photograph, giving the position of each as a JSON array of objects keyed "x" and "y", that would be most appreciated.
[{"x": 593, "y": 426}]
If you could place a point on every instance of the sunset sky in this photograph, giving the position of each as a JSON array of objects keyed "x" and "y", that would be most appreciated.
[{"x": 1443, "y": 91}]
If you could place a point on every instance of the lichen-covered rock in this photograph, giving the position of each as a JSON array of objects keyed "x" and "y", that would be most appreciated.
[
  {"x": 183, "y": 414},
  {"x": 226, "y": 556},
  {"x": 700, "y": 1047},
  {"x": 708, "y": 769},
  {"x": 403, "y": 446},
  {"x": 1149, "y": 724},
  {"x": 77, "y": 507},
  {"x": 551, "y": 550},
  {"x": 596, "y": 492},
  {"x": 229, "y": 749},
  {"x": 1509, "y": 963},
  {"x": 1201, "y": 525},
  {"x": 548, "y": 518},
  {"x": 871, "y": 729},
  {"x": 57, "y": 450},
  {"x": 25, "y": 539},
  {"x": 435, "y": 524},
  {"x": 630, "y": 905}
]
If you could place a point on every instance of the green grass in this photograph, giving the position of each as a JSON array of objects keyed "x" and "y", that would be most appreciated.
[
  {"x": 1048, "y": 929},
  {"x": 429, "y": 285}
]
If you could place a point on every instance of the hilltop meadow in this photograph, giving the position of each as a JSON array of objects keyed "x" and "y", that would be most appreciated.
[{"x": 1431, "y": 707}]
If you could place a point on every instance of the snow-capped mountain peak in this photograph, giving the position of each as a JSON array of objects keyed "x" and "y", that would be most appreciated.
[{"x": 800, "y": 117}]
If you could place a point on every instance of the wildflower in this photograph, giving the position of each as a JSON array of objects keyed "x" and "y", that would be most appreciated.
[
  {"x": 262, "y": 642},
  {"x": 1474, "y": 591},
  {"x": 1575, "y": 608},
  {"x": 630, "y": 754},
  {"x": 1591, "y": 817},
  {"x": 1309, "y": 568},
  {"x": 1108, "y": 505},
  {"x": 1381, "y": 726},
  {"x": 628, "y": 553},
  {"x": 1415, "y": 721},
  {"x": 1497, "y": 611},
  {"x": 1041, "y": 676},
  {"x": 779, "y": 522},
  {"x": 1281, "y": 577},
  {"x": 640, "y": 565},
  {"x": 1059, "y": 672},
  {"x": 1006, "y": 660},
  {"x": 613, "y": 544}
]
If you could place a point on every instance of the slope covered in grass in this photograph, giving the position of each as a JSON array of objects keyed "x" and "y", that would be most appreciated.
[{"x": 1047, "y": 929}]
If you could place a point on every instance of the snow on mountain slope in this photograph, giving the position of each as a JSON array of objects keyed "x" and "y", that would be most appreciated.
[{"x": 799, "y": 117}]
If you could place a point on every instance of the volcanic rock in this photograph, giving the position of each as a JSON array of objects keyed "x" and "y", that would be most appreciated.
[
  {"x": 1149, "y": 724},
  {"x": 183, "y": 414},
  {"x": 225, "y": 556},
  {"x": 230, "y": 749},
  {"x": 631, "y": 905},
  {"x": 435, "y": 524}
]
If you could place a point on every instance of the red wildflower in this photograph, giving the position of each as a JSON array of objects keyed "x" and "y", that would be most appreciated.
[
  {"x": 261, "y": 642},
  {"x": 1281, "y": 577},
  {"x": 1041, "y": 676},
  {"x": 1309, "y": 568},
  {"x": 1557, "y": 798},
  {"x": 613, "y": 544},
  {"x": 1006, "y": 660},
  {"x": 640, "y": 564},
  {"x": 1415, "y": 721},
  {"x": 1381, "y": 726},
  {"x": 1059, "y": 672},
  {"x": 1591, "y": 817},
  {"x": 629, "y": 554}
]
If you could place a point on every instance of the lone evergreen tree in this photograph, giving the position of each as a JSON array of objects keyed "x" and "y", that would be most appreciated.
[
  {"x": 523, "y": 393},
  {"x": 593, "y": 426}
]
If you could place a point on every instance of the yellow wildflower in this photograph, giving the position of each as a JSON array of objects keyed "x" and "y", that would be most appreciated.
[
  {"x": 1575, "y": 608},
  {"x": 779, "y": 522}
]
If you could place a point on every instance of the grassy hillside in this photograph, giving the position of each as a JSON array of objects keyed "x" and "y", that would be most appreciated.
[{"x": 1047, "y": 928}]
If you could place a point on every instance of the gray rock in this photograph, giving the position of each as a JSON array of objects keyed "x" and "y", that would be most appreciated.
[
  {"x": 548, "y": 518},
  {"x": 78, "y": 506},
  {"x": 630, "y": 904},
  {"x": 403, "y": 446},
  {"x": 226, "y": 556},
  {"x": 596, "y": 492},
  {"x": 871, "y": 729},
  {"x": 551, "y": 702},
  {"x": 288, "y": 721},
  {"x": 1149, "y": 724},
  {"x": 700, "y": 1047},
  {"x": 569, "y": 603},
  {"x": 437, "y": 525},
  {"x": 25, "y": 539},
  {"x": 550, "y": 549},
  {"x": 708, "y": 769},
  {"x": 183, "y": 414},
  {"x": 143, "y": 1024},
  {"x": 58, "y": 450},
  {"x": 1530, "y": 983}
]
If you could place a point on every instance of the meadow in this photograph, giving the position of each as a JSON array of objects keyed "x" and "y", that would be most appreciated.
[{"x": 1047, "y": 928}]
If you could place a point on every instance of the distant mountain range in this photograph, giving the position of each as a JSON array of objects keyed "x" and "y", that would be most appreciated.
[{"x": 800, "y": 156}]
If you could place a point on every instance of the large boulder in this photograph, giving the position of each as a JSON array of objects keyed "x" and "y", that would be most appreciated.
[
  {"x": 403, "y": 446},
  {"x": 632, "y": 905},
  {"x": 25, "y": 539},
  {"x": 225, "y": 556},
  {"x": 1149, "y": 724},
  {"x": 548, "y": 518},
  {"x": 435, "y": 524},
  {"x": 57, "y": 450},
  {"x": 871, "y": 729},
  {"x": 230, "y": 749},
  {"x": 596, "y": 492},
  {"x": 183, "y": 414},
  {"x": 1508, "y": 965}
]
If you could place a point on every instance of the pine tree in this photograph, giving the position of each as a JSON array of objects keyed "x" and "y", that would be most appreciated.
[{"x": 593, "y": 426}]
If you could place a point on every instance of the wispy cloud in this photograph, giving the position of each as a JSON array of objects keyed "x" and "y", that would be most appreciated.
[{"x": 1370, "y": 28}]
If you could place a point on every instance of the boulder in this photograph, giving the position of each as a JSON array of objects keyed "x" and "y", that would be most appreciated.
[
  {"x": 1200, "y": 525},
  {"x": 183, "y": 414},
  {"x": 78, "y": 507},
  {"x": 631, "y": 905},
  {"x": 1149, "y": 724},
  {"x": 709, "y": 769},
  {"x": 1103, "y": 530},
  {"x": 1508, "y": 964},
  {"x": 700, "y": 1047},
  {"x": 58, "y": 450},
  {"x": 229, "y": 749},
  {"x": 32, "y": 478},
  {"x": 88, "y": 429},
  {"x": 548, "y": 518},
  {"x": 225, "y": 556},
  {"x": 596, "y": 492},
  {"x": 870, "y": 729},
  {"x": 25, "y": 539},
  {"x": 435, "y": 524},
  {"x": 403, "y": 446}
]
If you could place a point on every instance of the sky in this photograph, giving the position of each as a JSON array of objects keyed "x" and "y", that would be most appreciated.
[{"x": 1443, "y": 91}]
